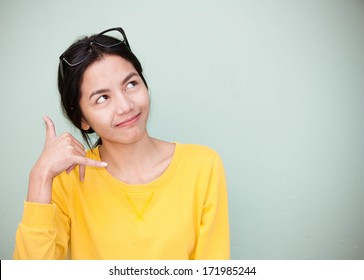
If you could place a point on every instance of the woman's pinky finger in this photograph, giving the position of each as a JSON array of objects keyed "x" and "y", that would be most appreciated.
[{"x": 82, "y": 169}]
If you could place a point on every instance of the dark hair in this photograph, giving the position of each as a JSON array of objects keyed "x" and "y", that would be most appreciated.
[{"x": 70, "y": 77}]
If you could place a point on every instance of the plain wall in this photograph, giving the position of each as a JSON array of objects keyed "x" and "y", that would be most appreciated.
[{"x": 276, "y": 87}]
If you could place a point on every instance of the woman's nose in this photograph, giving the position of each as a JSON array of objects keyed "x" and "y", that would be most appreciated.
[{"x": 123, "y": 104}]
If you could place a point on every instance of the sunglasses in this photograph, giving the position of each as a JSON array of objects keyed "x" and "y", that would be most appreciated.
[{"x": 116, "y": 33}]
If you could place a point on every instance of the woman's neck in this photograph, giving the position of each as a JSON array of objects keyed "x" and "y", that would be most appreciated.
[{"x": 137, "y": 163}]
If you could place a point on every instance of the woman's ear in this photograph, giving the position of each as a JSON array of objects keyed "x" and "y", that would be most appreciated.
[{"x": 84, "y": 125}]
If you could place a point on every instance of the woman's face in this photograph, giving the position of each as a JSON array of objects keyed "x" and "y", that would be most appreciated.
[{"x": 114, "y": 101}]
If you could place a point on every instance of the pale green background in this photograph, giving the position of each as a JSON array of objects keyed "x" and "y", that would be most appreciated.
[{"x": 276, "y": 87}]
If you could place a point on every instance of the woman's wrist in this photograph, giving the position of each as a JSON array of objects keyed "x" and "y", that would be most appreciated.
[{"x": 40, "y": 186}]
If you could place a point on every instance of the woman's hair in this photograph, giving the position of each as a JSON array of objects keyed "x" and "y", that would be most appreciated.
[{"x": 85, "y": 52}]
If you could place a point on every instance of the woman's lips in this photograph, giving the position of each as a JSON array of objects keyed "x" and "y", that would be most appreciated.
[{"x": 129, "y": 121}]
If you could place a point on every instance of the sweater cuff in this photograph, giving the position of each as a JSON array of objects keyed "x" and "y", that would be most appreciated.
[{"x": 39, "y": 215}]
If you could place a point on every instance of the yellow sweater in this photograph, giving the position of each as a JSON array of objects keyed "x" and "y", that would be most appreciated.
[{"x": 181, "y": 215}]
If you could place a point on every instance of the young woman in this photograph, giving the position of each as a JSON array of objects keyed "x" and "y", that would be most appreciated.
[{"x": 131, "y": 196}]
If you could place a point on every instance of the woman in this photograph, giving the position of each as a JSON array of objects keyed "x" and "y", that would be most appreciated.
[{"x": 131, "y": 196}]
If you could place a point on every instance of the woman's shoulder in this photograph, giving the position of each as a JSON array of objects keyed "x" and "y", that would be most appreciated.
[
  {"x": 198, "y": 151},
  {"x": 199, "y": 159}
]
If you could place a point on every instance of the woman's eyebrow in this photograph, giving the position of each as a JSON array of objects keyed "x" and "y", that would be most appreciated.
[
  {"x": 128, "y": 77},
  {"x": 101, "y": 91}
]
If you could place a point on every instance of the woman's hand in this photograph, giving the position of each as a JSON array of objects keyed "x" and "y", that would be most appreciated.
[{"x": 60, "y": 153}]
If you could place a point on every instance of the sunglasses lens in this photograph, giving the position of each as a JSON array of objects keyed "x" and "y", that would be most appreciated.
[{"x": 104, "y": 39}]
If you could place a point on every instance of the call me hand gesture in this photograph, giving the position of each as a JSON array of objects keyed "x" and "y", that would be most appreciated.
[{"x": 60, "y": 153}]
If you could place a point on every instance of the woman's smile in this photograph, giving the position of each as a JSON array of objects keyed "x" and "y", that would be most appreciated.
[{"x": 129, "y": 121}]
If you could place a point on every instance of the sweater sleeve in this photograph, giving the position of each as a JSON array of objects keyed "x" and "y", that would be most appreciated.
[
  {"x": 43, "y": 233},
  {"x": 213, "y": 241}
]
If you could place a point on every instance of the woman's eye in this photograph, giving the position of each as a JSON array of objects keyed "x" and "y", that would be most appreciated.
[
  {"x": 131, "y": 85},
  {"x": 101, "y": 99}
]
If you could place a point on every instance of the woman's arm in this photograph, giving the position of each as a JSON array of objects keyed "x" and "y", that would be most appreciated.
[
  {"x": 213, "y": 240},
  {"x": 44, "y": 230},
  {"x": 43, "y": 233}
]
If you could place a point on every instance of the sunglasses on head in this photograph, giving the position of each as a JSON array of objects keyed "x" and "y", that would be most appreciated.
[{"x": 116, "y": 33}]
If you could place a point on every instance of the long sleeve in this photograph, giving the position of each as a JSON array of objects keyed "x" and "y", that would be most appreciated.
[
  {"x": 43, "y": 233},
  {"x": 213, "y": 241}
]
